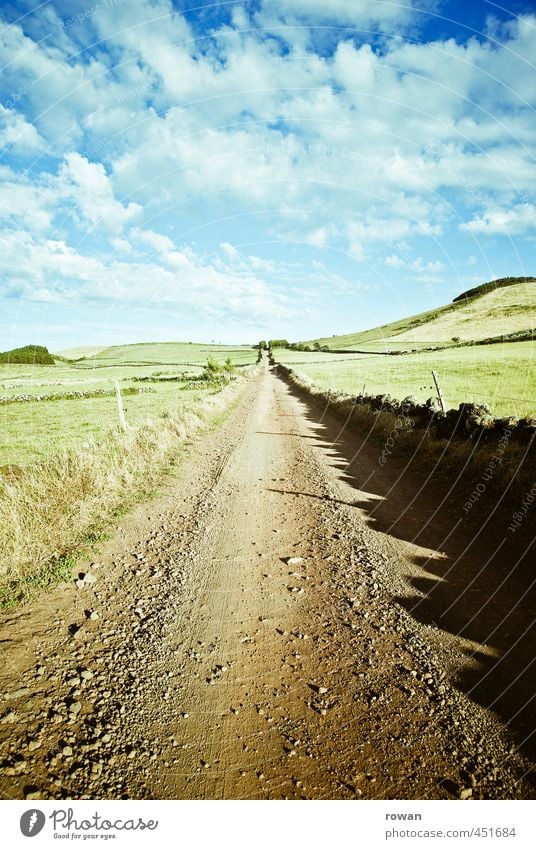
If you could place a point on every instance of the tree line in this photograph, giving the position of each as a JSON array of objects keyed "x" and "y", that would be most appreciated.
[{"x": 291, "y": 346}]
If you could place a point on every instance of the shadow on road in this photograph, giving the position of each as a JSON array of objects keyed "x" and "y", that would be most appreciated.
[{"x": 475, "y": 580}]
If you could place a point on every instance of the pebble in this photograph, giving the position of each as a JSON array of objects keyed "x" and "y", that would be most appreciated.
[
  {"x": 9, "y": 717},
  {"x": 33, "y": 745},
  {"x": 75, "y": 708},
  {"x": 17, "y": 694},
  {"x": 84, "y": 579},
  {"x": 466, "y": 793}
]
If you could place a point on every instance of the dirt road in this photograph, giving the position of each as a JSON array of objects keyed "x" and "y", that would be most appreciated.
[{"x": 248, "y": 636}]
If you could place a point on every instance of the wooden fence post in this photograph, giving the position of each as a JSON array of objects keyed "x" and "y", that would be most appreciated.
[
  {"x": 439, "y": 392},
  {"x": 122, "y": 420}
]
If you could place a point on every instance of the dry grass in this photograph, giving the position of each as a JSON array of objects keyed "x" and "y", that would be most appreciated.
[{"x": 52, "y": 508}]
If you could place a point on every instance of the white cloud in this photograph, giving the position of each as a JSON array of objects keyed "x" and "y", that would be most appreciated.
[
  {"x": 434, "y": 267},
  {"x": 515, "y": 221},
  {"x": 26, "y": 203},
  {"x": 391, "y": 103},
  {"x": 159, "y": 243},
  {"x": 121, "y": 246},
  {"x": 51, "y": 270},
  {"x": 17, "y": 133},
  {"x": 359, "y": 12},
  {"x": 318, "y": 238},
  {"x": 229, "y": 250},
  {"x": 371, "y": 137},
  {"x": 389, "y": 229},
  {"x": 394, "y": 261},
  {"x": 357, "y": 148},
  {"x": 90, "y": 188}
]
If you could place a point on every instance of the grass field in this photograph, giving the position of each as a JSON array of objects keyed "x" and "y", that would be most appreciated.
[
  {"x": 167, "y": 354},
  {"x": 503, "y": 375},
  {"x": 33, "y": 430}
]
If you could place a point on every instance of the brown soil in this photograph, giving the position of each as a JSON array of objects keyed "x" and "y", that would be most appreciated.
[{"x": 281, "y": 622}]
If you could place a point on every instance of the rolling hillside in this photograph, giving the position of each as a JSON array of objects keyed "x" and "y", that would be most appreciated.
[
  {"x": 500, "y": 310},
  {"x": 82, "y": 351},
  {"x": 161, "y": 353}
]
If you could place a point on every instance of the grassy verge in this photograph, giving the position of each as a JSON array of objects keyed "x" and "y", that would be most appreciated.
[
  {"x": 53, "y": 509},
  {"x": 508, "y": 463}
]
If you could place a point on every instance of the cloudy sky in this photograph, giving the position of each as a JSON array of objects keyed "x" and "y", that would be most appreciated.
[{"x": 239, "y": 170}]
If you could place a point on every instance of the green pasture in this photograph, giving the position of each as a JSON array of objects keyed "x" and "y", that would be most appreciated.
[
  {"x": 32, "y": 430},
  {"x": 502, "y": 375}
]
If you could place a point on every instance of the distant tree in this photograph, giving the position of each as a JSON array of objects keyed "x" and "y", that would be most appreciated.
[{"x": 30, "y": 354}]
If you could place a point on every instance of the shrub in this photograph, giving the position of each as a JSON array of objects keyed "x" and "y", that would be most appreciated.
[{"x": 30, "y": 355}]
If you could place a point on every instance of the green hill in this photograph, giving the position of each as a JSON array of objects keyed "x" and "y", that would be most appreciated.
[
  {"x": 30, "y": 355},
  {"x": 82, "y": 351},
  {"x": 500, "y": 309},
  {"x": 167, "y": 353}
]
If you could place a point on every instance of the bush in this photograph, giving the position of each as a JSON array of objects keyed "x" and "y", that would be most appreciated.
[
  {"x": 213, "y": 367},
  {"x": 29, "y": 355}
]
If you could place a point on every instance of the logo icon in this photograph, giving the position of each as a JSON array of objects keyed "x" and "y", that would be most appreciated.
[{"x": 32, "y": 822}]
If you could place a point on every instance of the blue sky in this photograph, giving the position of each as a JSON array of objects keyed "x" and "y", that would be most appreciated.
[{"x": 235, "y": 171}]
